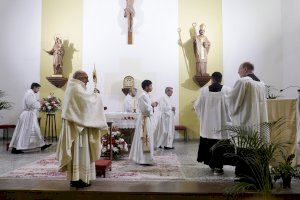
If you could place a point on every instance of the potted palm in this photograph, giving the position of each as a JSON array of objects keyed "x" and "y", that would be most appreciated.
[
  {"x": 286, "y": 171},
  {"x": 253, "y": 155},
  {"x": 4, "y": 105}
]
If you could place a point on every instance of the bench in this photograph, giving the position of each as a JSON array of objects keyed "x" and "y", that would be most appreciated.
[
  {"x": 184, "y": 129},
  {"x": 102, "y": 166}
]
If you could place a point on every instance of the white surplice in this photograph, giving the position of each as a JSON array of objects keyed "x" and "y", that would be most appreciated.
[
  {"x": 165, "y": 130},
  {"x": 129, "y": 104},
  {"x": 79, "y": 144},
  {"x": 137, "y": 153},
  {"x": 212, "y": 112},
  {"x": 27, "y": 134},
  {"x": 247, "y": 103}
]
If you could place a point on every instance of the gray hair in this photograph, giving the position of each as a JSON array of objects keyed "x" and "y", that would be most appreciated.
[
  {"x": 168, "y": 89},
  {"x": 132, "y": 89},
  {"x": 78, "y": 74}
]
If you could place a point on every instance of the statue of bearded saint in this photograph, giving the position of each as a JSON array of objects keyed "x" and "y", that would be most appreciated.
[
  {"x": 129, "y": 13},
  {"x": 201, "y": 49},
  {"x": 58, "y": 53}
]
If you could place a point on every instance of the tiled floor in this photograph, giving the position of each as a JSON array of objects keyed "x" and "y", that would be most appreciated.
[
  {"x": 10, "y": 161},
  {"x": 200, "y": 182},
  {"x": 186, "y": 152}
]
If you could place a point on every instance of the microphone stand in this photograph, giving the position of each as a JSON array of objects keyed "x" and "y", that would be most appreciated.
[{"x": 292, "y": 86}]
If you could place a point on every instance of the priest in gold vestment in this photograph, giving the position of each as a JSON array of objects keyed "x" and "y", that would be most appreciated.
[{"x": 83, "y": 120}]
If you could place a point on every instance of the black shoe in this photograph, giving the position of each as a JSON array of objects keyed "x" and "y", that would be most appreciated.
[
  {"x": 160, "y": 147},
  {"x": 74, "y": 183},
  {"x": 79, "y": 184},
  {"x": 83, "y": 184},
  {"x": 15, "y": 151},
  {"x": 168, "y": 148},
  {"x": 45, "y": 146}
]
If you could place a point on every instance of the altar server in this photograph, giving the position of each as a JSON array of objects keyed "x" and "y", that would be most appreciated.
[
  {"x": 130, "y": 101},
  {"x": 165, "y": 135},
  {"x": 83, "y": 120},
  {"x": 247, "y": 100},
  {"x": 213, "y": 114},
  {"x": 142, "y": 148},
  {"x": 27, "y": 134}
]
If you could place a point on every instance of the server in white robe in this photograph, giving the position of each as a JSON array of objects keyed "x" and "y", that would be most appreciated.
[
  {"x": 213, "y": 114},
  {"x": 142, "y": 148},
  {"x": 165, "y": 135},
  {"x": 27, "y": 134},
  {"x": 247, "y": 100},
  {"x": 83, "y": 121},
  {"x": 130, "y": 102}
]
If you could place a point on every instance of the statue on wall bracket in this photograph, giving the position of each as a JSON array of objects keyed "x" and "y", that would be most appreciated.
[
  {"x": 129, "y": 13},
  {"x": 57, "y": 52},
  {"x": 201, "y": 46}
]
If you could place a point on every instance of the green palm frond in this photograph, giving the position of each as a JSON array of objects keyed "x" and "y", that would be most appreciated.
[
  {"x": 239, "y": 187},
  {"x": 4, "y": 105},
  {"x": 2, "y": 94},
  {"x": 254, "y": 150}
]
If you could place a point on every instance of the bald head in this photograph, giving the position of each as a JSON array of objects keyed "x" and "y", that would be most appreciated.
[
  {"x": 82, "y": 76},
  {"x": 245, "y": 69}
]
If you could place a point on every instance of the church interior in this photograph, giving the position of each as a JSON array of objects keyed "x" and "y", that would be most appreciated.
[{"x": 108, "y": 99}]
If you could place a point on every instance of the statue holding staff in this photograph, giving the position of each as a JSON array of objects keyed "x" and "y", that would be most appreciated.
[{"x": 201, "y": 49}]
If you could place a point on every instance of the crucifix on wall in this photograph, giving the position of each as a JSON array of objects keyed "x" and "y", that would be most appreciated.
[{"x": 129, "y": 14}]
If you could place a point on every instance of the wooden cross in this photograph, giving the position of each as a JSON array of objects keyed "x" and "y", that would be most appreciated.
[{"x": 129, "y": 13}]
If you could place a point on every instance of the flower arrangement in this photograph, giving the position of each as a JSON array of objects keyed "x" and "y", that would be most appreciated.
[
  {"x": 118, "y": 145},
  {"x": 51, "y": 104},
  {"x": 272, "y": 92}
]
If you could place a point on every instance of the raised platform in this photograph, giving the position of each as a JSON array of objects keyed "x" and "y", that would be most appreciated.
[{"x": 49, "y": 189}]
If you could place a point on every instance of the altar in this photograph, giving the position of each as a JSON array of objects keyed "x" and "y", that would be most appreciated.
[
  {"x": 285, "y": 109},
  {"x": 125, "y": 122}
]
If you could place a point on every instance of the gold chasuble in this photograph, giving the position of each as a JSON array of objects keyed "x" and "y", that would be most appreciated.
[{"x": 83, "y": 120}]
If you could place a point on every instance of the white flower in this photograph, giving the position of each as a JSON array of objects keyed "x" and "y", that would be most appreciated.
[
  {"x": 104, "y": 149},
  {"x": 49, "y": 107},
  {"x": 47, "y": 103},
  {"x": 49, "y": 96},
  {"x": 126, "y": 148},
  {"x": 115, "y": 149},
  {"x": 121, "y": 140},
  {"x": 120, "y": 146}
]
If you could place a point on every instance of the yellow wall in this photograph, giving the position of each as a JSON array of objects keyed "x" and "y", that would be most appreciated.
[
  {"x": 199, "y": 11},
  {"x": 66, "y": 19}
]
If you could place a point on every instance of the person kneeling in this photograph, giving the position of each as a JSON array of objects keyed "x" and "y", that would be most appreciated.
[
  {"x": 27, "y": 134},
  {"x": 213, "y": 114}
]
